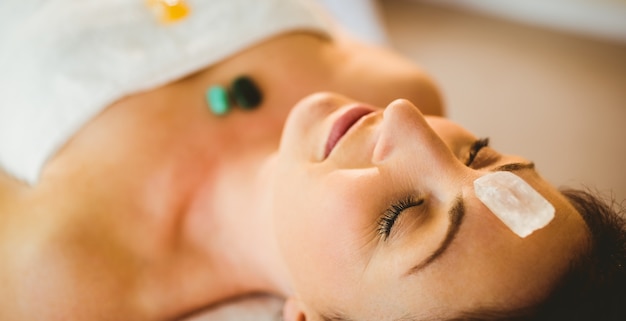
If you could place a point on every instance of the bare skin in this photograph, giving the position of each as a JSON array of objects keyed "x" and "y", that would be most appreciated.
[{"x": 149, "y": 212}]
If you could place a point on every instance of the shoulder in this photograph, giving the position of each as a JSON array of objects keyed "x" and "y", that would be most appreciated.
[
  {"x": 49, "y": 262},
  {"x": 9, "y": 186}
]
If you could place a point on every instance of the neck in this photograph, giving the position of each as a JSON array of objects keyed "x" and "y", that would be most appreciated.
[
  {"x": 244, "y": 246},
  {"x": 266, "y": 261}
]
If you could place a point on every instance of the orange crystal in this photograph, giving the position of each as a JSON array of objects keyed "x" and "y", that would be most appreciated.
[{"x": 169, "y": 10}]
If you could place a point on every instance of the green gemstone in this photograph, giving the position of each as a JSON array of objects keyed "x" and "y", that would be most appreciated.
[
  {"x": 246, "y": 93},
  {"x": 217, "y": 97}
]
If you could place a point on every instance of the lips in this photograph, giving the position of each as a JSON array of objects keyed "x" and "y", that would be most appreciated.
[{"x": 342, "y": 125}]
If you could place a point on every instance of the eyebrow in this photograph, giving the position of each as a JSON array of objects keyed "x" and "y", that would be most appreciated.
[
  {"x": 512, "y": 167},
  {"x": 456, "y": 215}
]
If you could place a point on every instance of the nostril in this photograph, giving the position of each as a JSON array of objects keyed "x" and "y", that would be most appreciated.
[
  {"x": 384, "y": 143},
  {"x": 393, "y": 128}
]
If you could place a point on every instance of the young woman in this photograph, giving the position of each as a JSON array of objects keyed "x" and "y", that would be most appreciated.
[{"x": 127, "y": 194}]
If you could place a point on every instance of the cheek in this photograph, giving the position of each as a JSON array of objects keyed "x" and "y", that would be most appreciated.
[
  {"x": 321, "y": 227},
  {"x": 316, "y": 224},
  {"x": 456, "y": 137}
]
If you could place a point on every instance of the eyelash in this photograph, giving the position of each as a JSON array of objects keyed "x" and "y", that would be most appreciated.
[
  {"x": 475, "y": 148},
  {"x": 388, "y": 219}
]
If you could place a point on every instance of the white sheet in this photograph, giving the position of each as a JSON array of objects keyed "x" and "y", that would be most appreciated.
[{"x": 255, "y": 308}]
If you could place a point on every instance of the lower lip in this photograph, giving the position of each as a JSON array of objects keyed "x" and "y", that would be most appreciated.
[{"x": 342, "y": 125}]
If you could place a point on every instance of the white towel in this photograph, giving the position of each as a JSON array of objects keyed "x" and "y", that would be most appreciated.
[{"x": 63, "y": 61}]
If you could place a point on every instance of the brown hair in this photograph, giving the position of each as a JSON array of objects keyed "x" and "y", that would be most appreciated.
[{"x": 594, "y": 288}]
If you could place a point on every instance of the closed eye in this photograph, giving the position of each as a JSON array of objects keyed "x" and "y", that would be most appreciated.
[
  {"x": 390, "y": 216},
  {"x": 474, "y": 149}
]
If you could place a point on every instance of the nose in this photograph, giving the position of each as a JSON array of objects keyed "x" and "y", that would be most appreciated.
[{"x": 406, "y": 139}]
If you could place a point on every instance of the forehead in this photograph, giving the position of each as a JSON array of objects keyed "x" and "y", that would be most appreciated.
[{"x": 487, "y": 265}]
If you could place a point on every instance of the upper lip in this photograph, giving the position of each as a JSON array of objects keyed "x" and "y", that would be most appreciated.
[{"x": 343, "y": 124}]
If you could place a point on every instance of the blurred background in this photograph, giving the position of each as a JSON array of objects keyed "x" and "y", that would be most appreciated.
[{"x": 542, "y": 79}]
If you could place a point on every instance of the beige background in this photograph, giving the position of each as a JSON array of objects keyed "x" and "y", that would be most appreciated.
[{"x": 556, "y": 98}]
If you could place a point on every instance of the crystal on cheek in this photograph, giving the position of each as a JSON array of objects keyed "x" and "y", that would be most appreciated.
[{"x": 514, "y": 202}]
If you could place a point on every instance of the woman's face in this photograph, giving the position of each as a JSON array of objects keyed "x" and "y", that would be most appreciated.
[{"x": 385, "y": 224}]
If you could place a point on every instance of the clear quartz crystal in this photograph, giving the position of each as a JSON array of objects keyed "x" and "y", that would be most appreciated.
[{"x": 514, "y": 202}]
